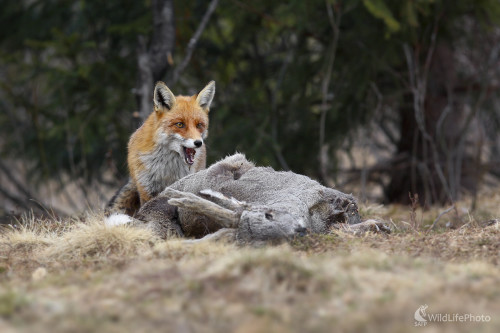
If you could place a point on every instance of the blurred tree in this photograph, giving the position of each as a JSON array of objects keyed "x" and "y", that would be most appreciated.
[
  {"x": 154, "y": 60},
  {"x": 293, "y": 79},
  {"x": 67, "y": 72},
  {"x": 438, "y": 154},
  {"x": 307, "y": 74}
]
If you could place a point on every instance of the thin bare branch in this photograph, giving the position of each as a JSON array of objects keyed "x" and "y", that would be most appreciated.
[
  {"x": 274, "y": 111},
  {"x": 14, "y": 199},
  {"x": 325, "y": 87},
  {"x": 193, "y": 41},
  {"x": 145, "y": 85},
  {"x": 418, "y": 86},
  {"x": 21, "y": 188},
  {"x": 439, "y": 217}
]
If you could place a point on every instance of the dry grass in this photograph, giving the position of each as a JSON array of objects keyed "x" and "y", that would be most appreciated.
[
  {"x": 84, "y": 277},
  {"x": 93, "y": 240}
]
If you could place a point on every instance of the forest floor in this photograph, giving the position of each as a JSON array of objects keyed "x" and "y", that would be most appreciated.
[{"x": 73, "y": 276}]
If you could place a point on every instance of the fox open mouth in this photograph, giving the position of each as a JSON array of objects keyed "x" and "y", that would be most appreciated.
[{"x": 189, "y": 155}]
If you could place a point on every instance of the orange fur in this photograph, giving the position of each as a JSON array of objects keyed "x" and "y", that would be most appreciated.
[{"x": 159, "y": 141}]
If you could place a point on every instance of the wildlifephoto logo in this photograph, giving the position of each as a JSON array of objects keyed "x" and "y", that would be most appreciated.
[
  {"x": 420, "y": 315},
  {"x": 422, "y": 318}
]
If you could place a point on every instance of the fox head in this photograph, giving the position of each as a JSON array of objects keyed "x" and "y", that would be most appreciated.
[{"x": 182, "y": 120}]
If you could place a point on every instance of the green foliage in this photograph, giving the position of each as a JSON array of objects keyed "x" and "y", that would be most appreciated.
[
  {"x": 269, "y": 81},
  {"x": 68, "y": 69},
  {"x": 379, "y": 9},
  {"x": 68, "y": 72}
]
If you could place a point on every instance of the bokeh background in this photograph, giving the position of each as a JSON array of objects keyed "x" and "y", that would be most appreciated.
[{"x": 388, "y": 99}]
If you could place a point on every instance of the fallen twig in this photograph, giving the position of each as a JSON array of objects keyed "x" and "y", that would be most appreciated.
[{"x": 439, "y": 217}]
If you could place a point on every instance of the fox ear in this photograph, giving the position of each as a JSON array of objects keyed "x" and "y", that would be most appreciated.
[
  {"x": 205, "y": 97},
  {"x": 163, "y": 98}
]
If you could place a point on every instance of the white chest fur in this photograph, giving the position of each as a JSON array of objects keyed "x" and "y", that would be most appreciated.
[{"x": 163, "y": 167}]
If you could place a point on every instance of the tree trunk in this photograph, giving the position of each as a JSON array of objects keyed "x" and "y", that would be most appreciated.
[
  {"x": 436, "y": 164},
  {"x": 155, "y": 59}
]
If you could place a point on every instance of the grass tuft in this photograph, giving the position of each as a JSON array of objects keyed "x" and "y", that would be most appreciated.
[{"x": 93, "y": 239}]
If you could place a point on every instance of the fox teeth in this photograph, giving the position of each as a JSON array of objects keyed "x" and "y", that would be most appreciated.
[{"x": 189, "y": 155}]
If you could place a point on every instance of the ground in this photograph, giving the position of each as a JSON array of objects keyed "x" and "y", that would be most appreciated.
[{"x": 74, "y": 276}]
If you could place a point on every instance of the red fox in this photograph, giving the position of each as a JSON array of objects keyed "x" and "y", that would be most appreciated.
[{"x": 168, "y": 146}]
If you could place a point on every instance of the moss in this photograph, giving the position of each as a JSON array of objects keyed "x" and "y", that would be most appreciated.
[{"x": 11, "y": 302}]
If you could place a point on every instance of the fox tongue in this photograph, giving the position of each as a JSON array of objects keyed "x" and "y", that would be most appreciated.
[{"x": 189, "y": 155}]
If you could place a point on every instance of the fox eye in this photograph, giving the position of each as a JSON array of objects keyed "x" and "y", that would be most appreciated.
[
  {"x": 179, "y": 124},
  {"x": 199, "y": 125}
]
